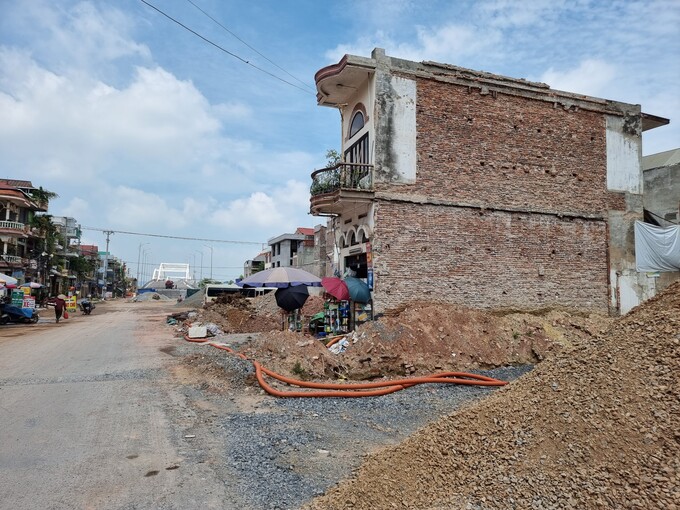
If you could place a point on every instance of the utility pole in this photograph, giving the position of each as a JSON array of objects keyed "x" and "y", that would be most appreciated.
[
  {"x": 211, "y": 258},
  {"x": 139, "y": 252},
  {"x": 106, "y": 261},
  {"x": 201, "y": 252}
]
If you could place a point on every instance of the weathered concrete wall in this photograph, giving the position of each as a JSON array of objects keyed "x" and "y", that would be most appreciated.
[
  {"x": 624, "y": 153},
  {"x": 624, "y": 179},
  {"x": 488, "y": 259},
  {"x": 662, "y": 197},
  {"x": 662, "y": 192}
]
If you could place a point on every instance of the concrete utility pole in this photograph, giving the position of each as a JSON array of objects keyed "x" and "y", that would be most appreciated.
[
  {"x": 211, "y": 258},
  {"x": 106, "y": 262},
  {"x": 201, "y": 252},
  {"x": 139, "y": 252}
]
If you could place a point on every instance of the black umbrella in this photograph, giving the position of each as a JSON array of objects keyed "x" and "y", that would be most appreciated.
[{"x": 291, "y": 298}]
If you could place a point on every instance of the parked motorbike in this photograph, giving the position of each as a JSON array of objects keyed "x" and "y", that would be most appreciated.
[
  {"x": 86, "y": 306},
  {"x": 13, "y": 313}
]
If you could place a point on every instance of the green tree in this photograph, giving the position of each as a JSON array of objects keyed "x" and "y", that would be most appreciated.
[
  {"x": 81, "y": 266},
  {"x": 333, "y": 157},
  {"x": 42, "y": 197},
  {"x": 206, "y": 281},
  {"x": 47, "y": 231}
]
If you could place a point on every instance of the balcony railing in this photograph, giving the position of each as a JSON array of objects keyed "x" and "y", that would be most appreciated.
[
  {"x": 13, "y": 225},
  {"x": 353, "y": 176},
  {"x": 11, "y": 259}
]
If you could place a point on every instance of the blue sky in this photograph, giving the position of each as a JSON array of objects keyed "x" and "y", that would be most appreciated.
[{"x": 141, "y": 126}]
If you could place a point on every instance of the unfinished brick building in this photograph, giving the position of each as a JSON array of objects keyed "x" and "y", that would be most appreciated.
[{"x": 471, "y": 188}]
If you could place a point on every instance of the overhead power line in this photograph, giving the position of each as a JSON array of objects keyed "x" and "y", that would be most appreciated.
[
  {"x": 254, "y": 49},
  {"x": 172, "y": 237},
  {"x": 223, "y": 49}
]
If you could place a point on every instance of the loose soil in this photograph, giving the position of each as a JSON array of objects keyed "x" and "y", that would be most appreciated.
[{"x": 416, "y": 340}]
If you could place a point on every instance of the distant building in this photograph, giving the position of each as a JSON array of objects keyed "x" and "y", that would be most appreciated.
[
  {"x": 662, "y": 187},
  {"x": 661, "y": 198},
  {"x": 21, "y": 253},
  {"x": 259, "y": 263},
  {"x": 305, "y": 249}
]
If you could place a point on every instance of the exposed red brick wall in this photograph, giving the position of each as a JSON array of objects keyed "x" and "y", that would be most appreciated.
[
  {"x": 489, "y": 259},
  {"x": 616, "y": 201},
  {"x": 507, "y": 152}
]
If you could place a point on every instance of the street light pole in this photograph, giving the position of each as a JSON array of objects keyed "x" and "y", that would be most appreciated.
[{"x": 211, "y": 259}]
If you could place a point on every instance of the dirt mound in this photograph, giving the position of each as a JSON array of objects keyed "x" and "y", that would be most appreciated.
[
  {"x": 593, "y": 427},
  {"x": 238, "y": 316},
  {"x": 425, "y": 338},
  {"x": 234, "y": 313}
]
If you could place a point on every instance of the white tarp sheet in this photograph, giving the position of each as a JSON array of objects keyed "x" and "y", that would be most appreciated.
[{"x": 656, "y": 248}]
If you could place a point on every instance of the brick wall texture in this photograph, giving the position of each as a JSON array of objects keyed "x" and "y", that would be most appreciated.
[{"x": 529, "y": 162}]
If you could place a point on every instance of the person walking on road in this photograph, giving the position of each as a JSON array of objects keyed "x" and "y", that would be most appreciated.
[{"x": 59, "y": 305}]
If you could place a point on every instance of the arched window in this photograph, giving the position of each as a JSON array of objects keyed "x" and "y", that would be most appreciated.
[
  {"x": 357, "y": 124},
  {"x": 352, "y": 239}
]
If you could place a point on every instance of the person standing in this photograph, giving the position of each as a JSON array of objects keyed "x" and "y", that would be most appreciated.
[{"x": 59, "y": 306}]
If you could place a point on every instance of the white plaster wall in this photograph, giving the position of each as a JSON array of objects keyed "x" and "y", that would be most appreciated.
[
  {"x": 364, "y": 96},
  {"x": 633, "y": 288},
  {"x": 624, "y": 153},
  {"x": 404, "y": 122}
]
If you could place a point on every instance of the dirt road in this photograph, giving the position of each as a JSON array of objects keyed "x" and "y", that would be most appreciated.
[
  {"x": 84, "y": 409},
  {"x": 115, "y": 411}
]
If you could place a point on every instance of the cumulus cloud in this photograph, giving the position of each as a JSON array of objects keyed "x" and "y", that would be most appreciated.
[
  {"x": 273, "y": 211},
  {"x": 82, "y": 36},
  {"x": 134, "y": 209}
]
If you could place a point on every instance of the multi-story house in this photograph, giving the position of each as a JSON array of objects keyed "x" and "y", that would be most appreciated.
[
  {"x": 478, "y": 189},
  {"x": 63, "y": 278},
  {"x": 304, "y": 249},
  {"x": 88, "y": 285},
  {"x": 259, "y": 263},
  {"x": 20, "y": 246}
]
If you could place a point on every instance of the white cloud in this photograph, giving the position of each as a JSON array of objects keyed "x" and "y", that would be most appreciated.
[
  {"x": 592, "y": 77},
  {"x": 276, "y": 211},
  {"x": 62, "y": 123},
  {"x": 82, "y": 36},
  {"x": 77, "y": 208},
  {"x": 137, "y": 210}
]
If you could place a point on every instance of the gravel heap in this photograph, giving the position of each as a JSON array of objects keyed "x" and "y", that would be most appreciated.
[
  {"x": 150, "y": 296},
  {"x": 593, "y": 427}
]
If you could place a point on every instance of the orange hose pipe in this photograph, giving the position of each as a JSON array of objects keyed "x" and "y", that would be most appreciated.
[{"x": 353, "y": 390}]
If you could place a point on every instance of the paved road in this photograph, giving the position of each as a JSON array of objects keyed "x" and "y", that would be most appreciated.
[{"x": 86, "y": 417}]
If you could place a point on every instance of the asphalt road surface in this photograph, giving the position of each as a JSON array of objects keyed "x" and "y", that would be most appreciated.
[{"x": 85, "y": 419}]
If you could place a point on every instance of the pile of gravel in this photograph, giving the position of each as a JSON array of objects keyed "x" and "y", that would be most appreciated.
[
  {"x": 150, "y": 296},
  {"x": 594, "y": 427},
  {"x": 195, "y": 300}
]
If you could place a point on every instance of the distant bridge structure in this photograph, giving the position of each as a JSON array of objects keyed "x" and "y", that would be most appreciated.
[{"x": 171, "y": 271}]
